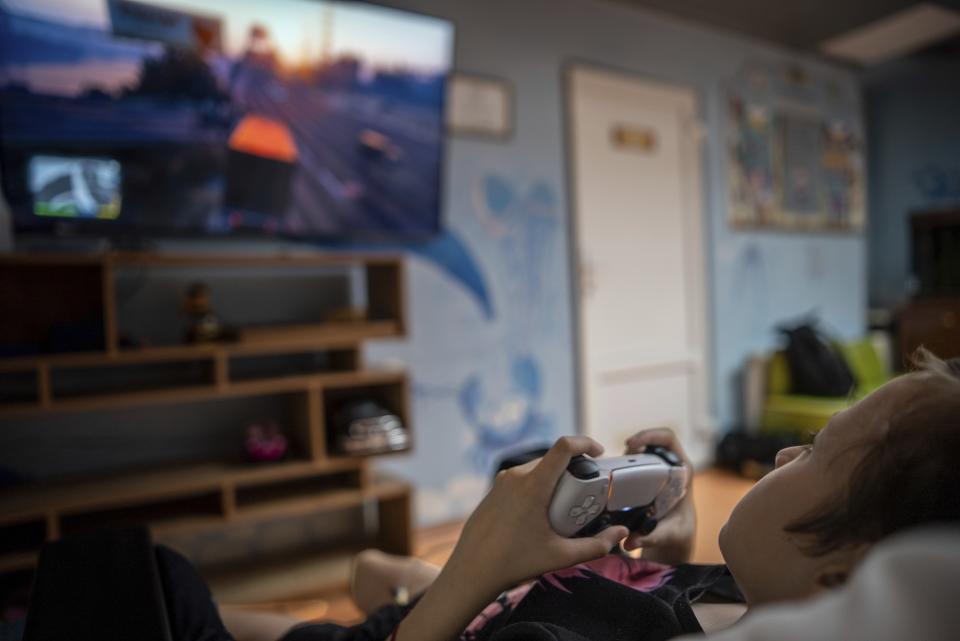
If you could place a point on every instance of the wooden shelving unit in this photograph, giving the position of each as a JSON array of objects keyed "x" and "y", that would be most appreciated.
[{"x": 315, "y": 363}]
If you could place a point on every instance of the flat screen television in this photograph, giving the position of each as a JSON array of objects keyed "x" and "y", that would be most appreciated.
[{"x": 297, "y": 118}]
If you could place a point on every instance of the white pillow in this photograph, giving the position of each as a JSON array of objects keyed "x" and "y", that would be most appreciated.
[{"x": 907, "y": 589}]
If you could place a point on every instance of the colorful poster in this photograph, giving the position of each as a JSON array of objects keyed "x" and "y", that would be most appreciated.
[{"x": 795, "y": 155}]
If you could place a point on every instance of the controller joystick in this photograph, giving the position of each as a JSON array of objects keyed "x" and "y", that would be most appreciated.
[{"x": 583, "y": 468}]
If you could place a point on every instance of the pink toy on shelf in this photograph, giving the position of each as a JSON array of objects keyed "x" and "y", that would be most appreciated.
[{"x": 265, "y": 442}]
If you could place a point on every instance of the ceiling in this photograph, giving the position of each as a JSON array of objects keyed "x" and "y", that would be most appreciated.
[{"x": 800, "y": 24}]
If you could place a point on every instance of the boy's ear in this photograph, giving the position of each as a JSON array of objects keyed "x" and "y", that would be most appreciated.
[
  {"x": 835, "y": 572},
  {"x": 830, "y": 580}
]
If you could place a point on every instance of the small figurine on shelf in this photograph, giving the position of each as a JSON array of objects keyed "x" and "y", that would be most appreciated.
[
  {"x": 205, "y": 325},
  {"x": 265, "y": 442}
]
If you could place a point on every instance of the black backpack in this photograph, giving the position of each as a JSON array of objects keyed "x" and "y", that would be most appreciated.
[{"x": 816, "y": 367}]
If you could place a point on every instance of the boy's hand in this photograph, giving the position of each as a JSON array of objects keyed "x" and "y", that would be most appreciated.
[
  {"x": 508, "y": 538},
  {"x": 671, "y": 542}
]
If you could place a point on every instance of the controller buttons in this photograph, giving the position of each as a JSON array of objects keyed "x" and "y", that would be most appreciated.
[{"x": 588, "y": 509}]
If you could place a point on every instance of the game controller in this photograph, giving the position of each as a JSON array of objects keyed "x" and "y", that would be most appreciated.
[{"x": 635, "y": 490}]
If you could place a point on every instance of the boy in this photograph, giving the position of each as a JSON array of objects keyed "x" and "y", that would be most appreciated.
[{"x": 884, "y": 465}]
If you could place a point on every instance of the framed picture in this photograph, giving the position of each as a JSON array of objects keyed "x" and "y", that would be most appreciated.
[
  {"x": 795, "y": 153},
  {"x": 794, "y": 172},
  {"x": 479, "y": 106}
]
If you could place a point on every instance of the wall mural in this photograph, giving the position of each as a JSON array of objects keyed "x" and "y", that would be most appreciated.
[
  {"x": 795, "y": 152},
  {"x": 488, "y": 367},
  {"x": 505, "y": 410}
]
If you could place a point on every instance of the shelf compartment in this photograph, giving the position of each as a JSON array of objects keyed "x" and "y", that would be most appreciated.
[
  {"x": 133, "y": 440},
  {"x": 178, "y": 395},
  {"x": 291, "y": 297},
  {"x": 300, "y": 494},
  {"x": 85, "y": 382},
  {"x": 318, "y": 570},
  {"x": 327, "y": 336},
  {"x": 272, "y": 366},
  {"x": 20, "y": 387},
  {"x": 49, "y": 308},
  {"x": 207, "y": 506},
  {"x": 386, "y": 293},
  {"x": 31, "y": 502},
  {"x": 284, "y": 577},
  {"x": 22, "y": 538},
  {"x": 262, "y": 501},
  {"x": 391, "y": 395},
  {"x": 18, "y": 561},
  {"x": 73, "y": 299}
]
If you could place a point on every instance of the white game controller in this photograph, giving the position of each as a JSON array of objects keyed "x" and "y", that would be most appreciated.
[{"x": 634, "y": 490}]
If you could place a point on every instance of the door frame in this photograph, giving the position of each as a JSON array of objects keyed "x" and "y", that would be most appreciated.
[{"x": 695, "y": 258}]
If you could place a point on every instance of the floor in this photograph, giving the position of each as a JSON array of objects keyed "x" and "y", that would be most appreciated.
[{"x": 717, "y": 491}]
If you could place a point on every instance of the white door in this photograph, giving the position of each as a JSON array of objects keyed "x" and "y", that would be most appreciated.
[{"x": 639, "y": 233}]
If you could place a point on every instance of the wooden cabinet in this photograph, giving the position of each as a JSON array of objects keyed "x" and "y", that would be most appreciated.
[
  {"x": 311, "y": 363},
  {"x": 932, "y": 318},
  {"x": 933, "y": 323},
  {"x": 935, "y": 252}
]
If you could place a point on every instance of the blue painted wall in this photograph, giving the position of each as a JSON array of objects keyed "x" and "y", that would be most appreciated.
[
  {"x": 491, "y": 349},
  {"x": 483, "y": 381},
  {"x": 913, "y": 124}
]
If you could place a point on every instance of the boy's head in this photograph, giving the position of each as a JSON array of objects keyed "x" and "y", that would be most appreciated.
[{"x": 883, "y": 465}]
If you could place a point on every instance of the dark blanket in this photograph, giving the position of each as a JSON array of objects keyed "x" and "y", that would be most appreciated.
[
  {"x": 572, "y": 606},
  {"x": 611, "y": 599}
]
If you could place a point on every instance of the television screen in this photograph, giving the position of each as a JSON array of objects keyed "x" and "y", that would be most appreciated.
[
  {"x": 290, "y": 117},
  {"x": 75, "y": 187}
]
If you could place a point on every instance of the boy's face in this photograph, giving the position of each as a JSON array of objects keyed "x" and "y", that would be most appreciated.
[{"x": 767, "y": 562}]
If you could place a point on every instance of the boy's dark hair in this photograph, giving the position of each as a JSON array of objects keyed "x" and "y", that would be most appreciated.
[{"x": 909, "y": 474}]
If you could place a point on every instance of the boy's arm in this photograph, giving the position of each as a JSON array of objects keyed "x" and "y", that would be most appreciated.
[
  {"x": 507, "y": 540},
  {"x": 671, "y": 542},
  {"x": 448, "y": 606}
]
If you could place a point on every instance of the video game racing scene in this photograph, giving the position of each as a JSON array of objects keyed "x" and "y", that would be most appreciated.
[{"x": 305, "y": 119}]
